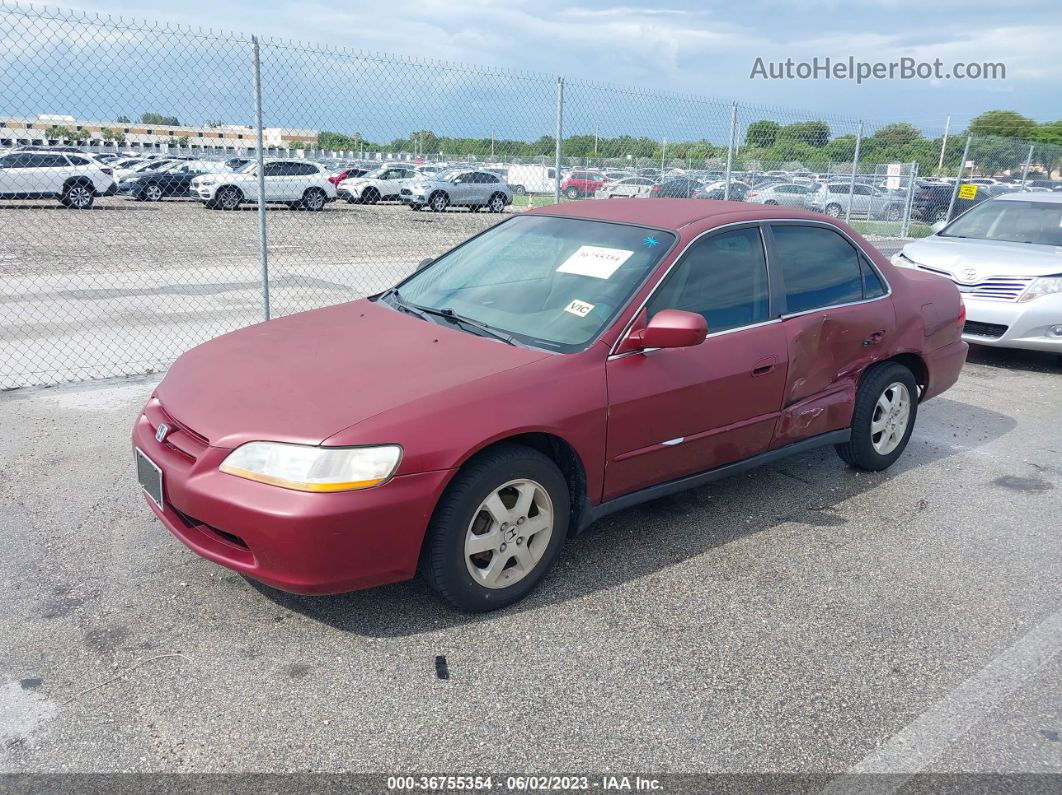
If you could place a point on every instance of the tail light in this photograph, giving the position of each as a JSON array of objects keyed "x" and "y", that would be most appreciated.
[
  {"x": 336, "y": 179},
  {"x": 962, "y": 313}
]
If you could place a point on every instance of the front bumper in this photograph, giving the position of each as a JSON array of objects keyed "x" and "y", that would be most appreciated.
[
  {"x": 1010, "y": 324},
  {"x": 295, "y": 541}
]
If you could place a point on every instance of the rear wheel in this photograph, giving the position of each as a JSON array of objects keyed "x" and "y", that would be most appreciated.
[
  {"x": 572, "y": 193},
  {"x": 771, "y": 201},
  {"x": 497, "y": 529},
  {"x": 78, "y": 196},
  {"x": 833, "y": 210},
  {"x": 938, "y": 215},
  {"x": 884, "y": 417},
  {"x": 370, "y": 196},
  {"x": 151, "y": 193},
  {"x": 893, "y": 212},
  {"x": 496, "y": 203},
  {"x": 314, "y": 200},
  {"x": 519, "y": 190}
]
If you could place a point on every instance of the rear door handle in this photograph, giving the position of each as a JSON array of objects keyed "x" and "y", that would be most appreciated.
[
  {"x": 764, "y": 366},
  {"x": 874, "y": 338}
]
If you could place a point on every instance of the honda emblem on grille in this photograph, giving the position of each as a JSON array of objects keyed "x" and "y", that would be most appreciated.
[
  {"x": 161, "y": 431},
  {"x": 969, "y": 274}
]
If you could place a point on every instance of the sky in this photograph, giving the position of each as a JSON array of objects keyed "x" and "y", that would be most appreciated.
[{"x": 691, "y": 47}]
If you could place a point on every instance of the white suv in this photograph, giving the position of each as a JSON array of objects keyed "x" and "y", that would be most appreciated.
[
  {"x": 383, "y": 184},
  {"x": 297, "y": 183},
  {"x": 74, "y": 179}
]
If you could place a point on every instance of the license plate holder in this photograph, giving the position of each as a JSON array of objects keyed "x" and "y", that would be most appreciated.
[{"x": 149, "y": 475}]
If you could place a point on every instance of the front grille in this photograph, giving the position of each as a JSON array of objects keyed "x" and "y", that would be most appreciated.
[
  {"x": 991, "y": 330},
  {"x": 192, "y": 524},
  {"x": 994, "y": 288},
  {"x": 181, "y": 439}
]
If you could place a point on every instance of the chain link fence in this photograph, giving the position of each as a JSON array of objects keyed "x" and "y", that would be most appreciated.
[{"x": 162, "y": 185}]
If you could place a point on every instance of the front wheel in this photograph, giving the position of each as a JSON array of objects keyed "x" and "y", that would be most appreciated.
[
  {"x": 884, "y": 417},
  {"x": 939, "y": 215},
  {"x": 228, "y": 199},
  {"x": 572, "y": 193},
  {"x": 497, "y": 529},
  {"x": 496, "y": 203},
  {"x": 833, "y": 210},
  {"x": 893, "y": 213},
  {"x": 152, "y": 193},
  {"x": 439, "y": 202}
]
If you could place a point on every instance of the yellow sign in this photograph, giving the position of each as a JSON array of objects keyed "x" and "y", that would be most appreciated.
[{"x": 967, "y": 191}]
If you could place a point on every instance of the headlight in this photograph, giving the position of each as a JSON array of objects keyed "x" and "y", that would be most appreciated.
[
  {"x": 307, "y": 468},
  {"x": 205, "y": 180},
  {"x": 1045, "y": 285},
  {"x": 901, "y": 260}
]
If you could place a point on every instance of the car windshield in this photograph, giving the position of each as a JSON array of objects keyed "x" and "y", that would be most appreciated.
[
  {"x": 552, "y": 283},
  {"x": 1011, "y": 221},
  {"x": 448, "y": 174}
]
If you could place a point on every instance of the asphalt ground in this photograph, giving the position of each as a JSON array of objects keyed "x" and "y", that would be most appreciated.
[
  {"x": 802, "y": 618},
  {"x": 126, "y": 287}
]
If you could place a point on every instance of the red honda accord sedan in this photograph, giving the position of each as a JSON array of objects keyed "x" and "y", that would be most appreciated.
[{"x": 564, "y": 364}]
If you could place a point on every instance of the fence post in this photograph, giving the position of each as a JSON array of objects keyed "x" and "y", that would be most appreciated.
[
  {"x": 263, "y": 246},
  {"x": 1025, "y": 168},
  {"x": 958, "y": 178},
  {"x": 559, "y": 139},
  {"x": 730, "y": 150},
  {"x": 855, "y": 167},
  {"x": 905, "y": 225}
]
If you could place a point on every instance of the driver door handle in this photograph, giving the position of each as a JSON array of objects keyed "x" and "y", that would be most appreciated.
[
  {"x": 874, "y": 338},
  {"x": 764, "y": 366}
]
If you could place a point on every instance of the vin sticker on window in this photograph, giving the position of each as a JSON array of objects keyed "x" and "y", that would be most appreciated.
[{"x": 596, "y": 261}]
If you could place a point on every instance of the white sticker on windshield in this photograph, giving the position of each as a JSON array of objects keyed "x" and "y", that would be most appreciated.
[
  {"x": 595, "y": 261},
  {"x": 580, "y": 308}
]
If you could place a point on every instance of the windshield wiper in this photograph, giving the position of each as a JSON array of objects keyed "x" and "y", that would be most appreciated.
[
  {"x": 452, "y": 316},
  {"x": 447, "y": 314}
]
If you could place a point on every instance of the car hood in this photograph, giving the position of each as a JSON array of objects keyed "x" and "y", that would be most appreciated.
[
  {"x": 305, "y": 377},
  {"x": 987, "y": 257}
]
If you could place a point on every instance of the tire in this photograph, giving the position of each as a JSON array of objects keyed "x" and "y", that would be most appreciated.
[
  {"x": 78, "y": 196},
  {"x": 884, "y": 384},
  {"x": 771, "y": 202},
  {"x": 439, "y": 202},
  {"x": 893, "y": 213},
  {"x": 492, "y": 574},
  {"x": 939, "y": 214},
  {"x": 416, "y": 207},
  {"x": 228, "y": 198},
  {"x": 519, "y": 190},
  {"x": 833, "y": 210},
  {"x": 496, "y": 203},
  {"x": 370, "y": 196},
  {"x": 571, "y": 193},
  {"x": 313, "y": 200},
  {"x": 151, "y": 193}
]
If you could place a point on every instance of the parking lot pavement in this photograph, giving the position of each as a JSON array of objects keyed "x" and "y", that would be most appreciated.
[
  {"x": 152, "y": 280},
  {"x": 803, "y": 617}
]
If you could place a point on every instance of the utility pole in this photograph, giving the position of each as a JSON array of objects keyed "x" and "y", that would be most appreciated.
[{"x": 944, "y": 143}]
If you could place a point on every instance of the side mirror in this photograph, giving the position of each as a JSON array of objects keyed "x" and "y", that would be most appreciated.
[
  {"x": 938, "y": 226},
  {"x": 425, "y": 263},
  {"x": 669, "y": 328}
]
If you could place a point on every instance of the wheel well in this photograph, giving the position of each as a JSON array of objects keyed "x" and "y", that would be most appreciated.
[
  {"x": 228, "y": 187},
  {"x": 914, "y": 363},
  {"x": 568, "y": 462},
  {"x": 78, "y": 181}
]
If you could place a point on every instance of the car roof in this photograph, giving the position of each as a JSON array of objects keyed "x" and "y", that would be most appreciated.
[
  {"x": 1045, "y": 198},
  {"x": 672, "y": 213}
]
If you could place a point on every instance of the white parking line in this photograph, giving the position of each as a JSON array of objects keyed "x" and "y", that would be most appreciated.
[{"x": 927, "y": 737}]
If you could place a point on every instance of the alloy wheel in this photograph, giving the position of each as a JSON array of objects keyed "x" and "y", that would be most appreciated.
[
  {"x": 79, "y": 196},
  {"x": 509, "y": 533},
  {"x": 891, "y": 415}
]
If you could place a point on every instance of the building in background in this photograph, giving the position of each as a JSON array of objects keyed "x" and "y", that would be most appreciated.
[{"x": 48, "y": 129}]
